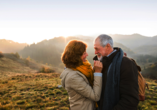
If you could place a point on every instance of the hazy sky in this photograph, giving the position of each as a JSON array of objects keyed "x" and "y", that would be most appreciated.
[{"x": 35, "y": 20}]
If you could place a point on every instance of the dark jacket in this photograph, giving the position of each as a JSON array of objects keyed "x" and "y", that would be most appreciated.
[{"x": 128, "y": 89}]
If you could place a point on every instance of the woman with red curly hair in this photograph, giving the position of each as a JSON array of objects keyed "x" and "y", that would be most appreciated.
[{"x": 82, "y": 83}]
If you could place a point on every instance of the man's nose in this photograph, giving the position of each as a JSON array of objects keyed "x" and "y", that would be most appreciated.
[{"x": 96, "y": 52}]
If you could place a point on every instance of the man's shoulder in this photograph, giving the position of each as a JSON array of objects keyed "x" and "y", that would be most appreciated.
[
  {"x": 127, "y": 63},
  {"x": 126, "y": 60}
]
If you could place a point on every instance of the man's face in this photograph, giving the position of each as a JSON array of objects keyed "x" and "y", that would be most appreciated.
[{"x": 99, "y": 50}]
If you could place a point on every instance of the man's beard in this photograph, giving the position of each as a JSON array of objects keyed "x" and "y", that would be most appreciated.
[{"x": 99, "y": 56}]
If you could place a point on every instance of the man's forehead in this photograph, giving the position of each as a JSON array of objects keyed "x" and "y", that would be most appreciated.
[
  {"x": 97, "y": 46},
  {"x": 96, "y": 43}
]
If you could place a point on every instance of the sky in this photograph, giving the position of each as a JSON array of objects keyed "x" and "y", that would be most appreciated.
[{"x": 31, "y": 21}]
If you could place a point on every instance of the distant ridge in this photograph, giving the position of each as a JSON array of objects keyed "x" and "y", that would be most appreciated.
[
  {"x": 49, "y": 51},
  {"x": 136, "y": 43},
  {"x": 9, "y": 46},
  {"x": 131, "y": 41}
]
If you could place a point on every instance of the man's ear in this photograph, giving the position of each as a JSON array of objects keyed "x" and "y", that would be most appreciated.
[{"x": 108, "y": 45}]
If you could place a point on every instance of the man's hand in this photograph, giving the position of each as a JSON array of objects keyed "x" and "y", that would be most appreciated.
[{"x": 98, "y": 66}]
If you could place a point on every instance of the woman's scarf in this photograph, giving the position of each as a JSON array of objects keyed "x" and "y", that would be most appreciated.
[{"x": 87, "y": 70}]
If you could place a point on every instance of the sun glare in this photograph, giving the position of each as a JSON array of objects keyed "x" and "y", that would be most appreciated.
[
  {"x": 30, "y": 32},
  {"x": 65, "y": 37}
]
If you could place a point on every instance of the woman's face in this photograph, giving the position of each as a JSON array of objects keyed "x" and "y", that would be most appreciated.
[{"x": 83, "y": 57}]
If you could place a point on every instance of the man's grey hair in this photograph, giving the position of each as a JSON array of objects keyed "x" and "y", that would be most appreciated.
[{"x": 104, "y": 40}]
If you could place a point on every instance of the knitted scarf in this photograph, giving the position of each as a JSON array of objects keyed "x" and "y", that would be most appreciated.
[
  {"x": 87, "y": 70},
  {"x": 111, "y": 95}
]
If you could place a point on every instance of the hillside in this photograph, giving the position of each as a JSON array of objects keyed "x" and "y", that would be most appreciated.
[
  {"x": 125, "y": 49},
  {"x": 135, "y": 40},
  {"x": 153, "y": 41},
  {"x": 147, "y": 50},
  {"x": 12, "y": 64},
  {"x": 8, "y": 46},
  {"x": 24, "y": 88},
  {"x": 150, "y": 71},
  {"x": 49, "y": 51}
]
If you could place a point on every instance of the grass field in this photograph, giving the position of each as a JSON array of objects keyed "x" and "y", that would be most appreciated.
[
  {"x": 36, "y": 91},
  {"x": 39, "y": 91},
  {"x": 151, "y": 97},
  {"x": 22, "y": 87}
]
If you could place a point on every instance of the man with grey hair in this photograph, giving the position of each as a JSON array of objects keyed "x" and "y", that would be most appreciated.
[{"x": 120, "y": 77}]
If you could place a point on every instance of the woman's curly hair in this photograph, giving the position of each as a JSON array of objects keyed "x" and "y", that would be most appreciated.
[{"x": 73, "y": 51}]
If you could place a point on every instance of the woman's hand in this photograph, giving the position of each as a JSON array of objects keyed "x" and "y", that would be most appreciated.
[{"x": 98, "y": 66}]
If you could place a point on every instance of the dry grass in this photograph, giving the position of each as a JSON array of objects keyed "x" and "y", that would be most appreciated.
[
  {"x": 150, "y": 102},
  {"x": 9, "y": 67},
  {"x": 33, "y": 91},
  {"x": 38, "y": 91}
]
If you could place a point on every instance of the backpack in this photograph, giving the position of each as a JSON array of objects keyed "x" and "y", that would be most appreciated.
[{"x": 141, "y": 82}]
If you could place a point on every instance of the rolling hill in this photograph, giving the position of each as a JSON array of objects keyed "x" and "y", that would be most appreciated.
[
  {"x": 150, "y": 71},
  {"x": 12, "y": 64},
  {"x": 141, "y": 44},
  {"x": 147, "y": 50},
  {"x": 8, "y": 46},
  {"x": 135, "y": 40},
  {"x": 49, "y": 51}
]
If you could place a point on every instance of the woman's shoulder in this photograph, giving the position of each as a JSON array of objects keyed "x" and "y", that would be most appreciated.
[
  {"x": 69, "y": 71},
  {"x": 66, "y": 77},
  {"x": 72, "y": 74}
]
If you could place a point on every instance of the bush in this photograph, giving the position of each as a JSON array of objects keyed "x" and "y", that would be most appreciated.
[
  {"x": 46, "y": 70},
  {"x": 1, "y": 54},
  {"x": 17, "y": 55}
]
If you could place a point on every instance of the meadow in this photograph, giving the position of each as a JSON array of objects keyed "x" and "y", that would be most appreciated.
[
  {"x": 28, "y": 85},
  {"x": 39, "y": 91},
  {"x": 150, "y": 102},
  {"x": 36, "y": 91}
]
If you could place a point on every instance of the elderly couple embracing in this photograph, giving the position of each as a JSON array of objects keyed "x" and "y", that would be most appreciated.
[{"x": 112, "y": 84}]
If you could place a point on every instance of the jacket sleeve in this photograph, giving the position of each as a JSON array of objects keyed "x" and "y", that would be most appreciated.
[
  {"x": 82, "y": 87},
  {"x": 129, "y": 98}
]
